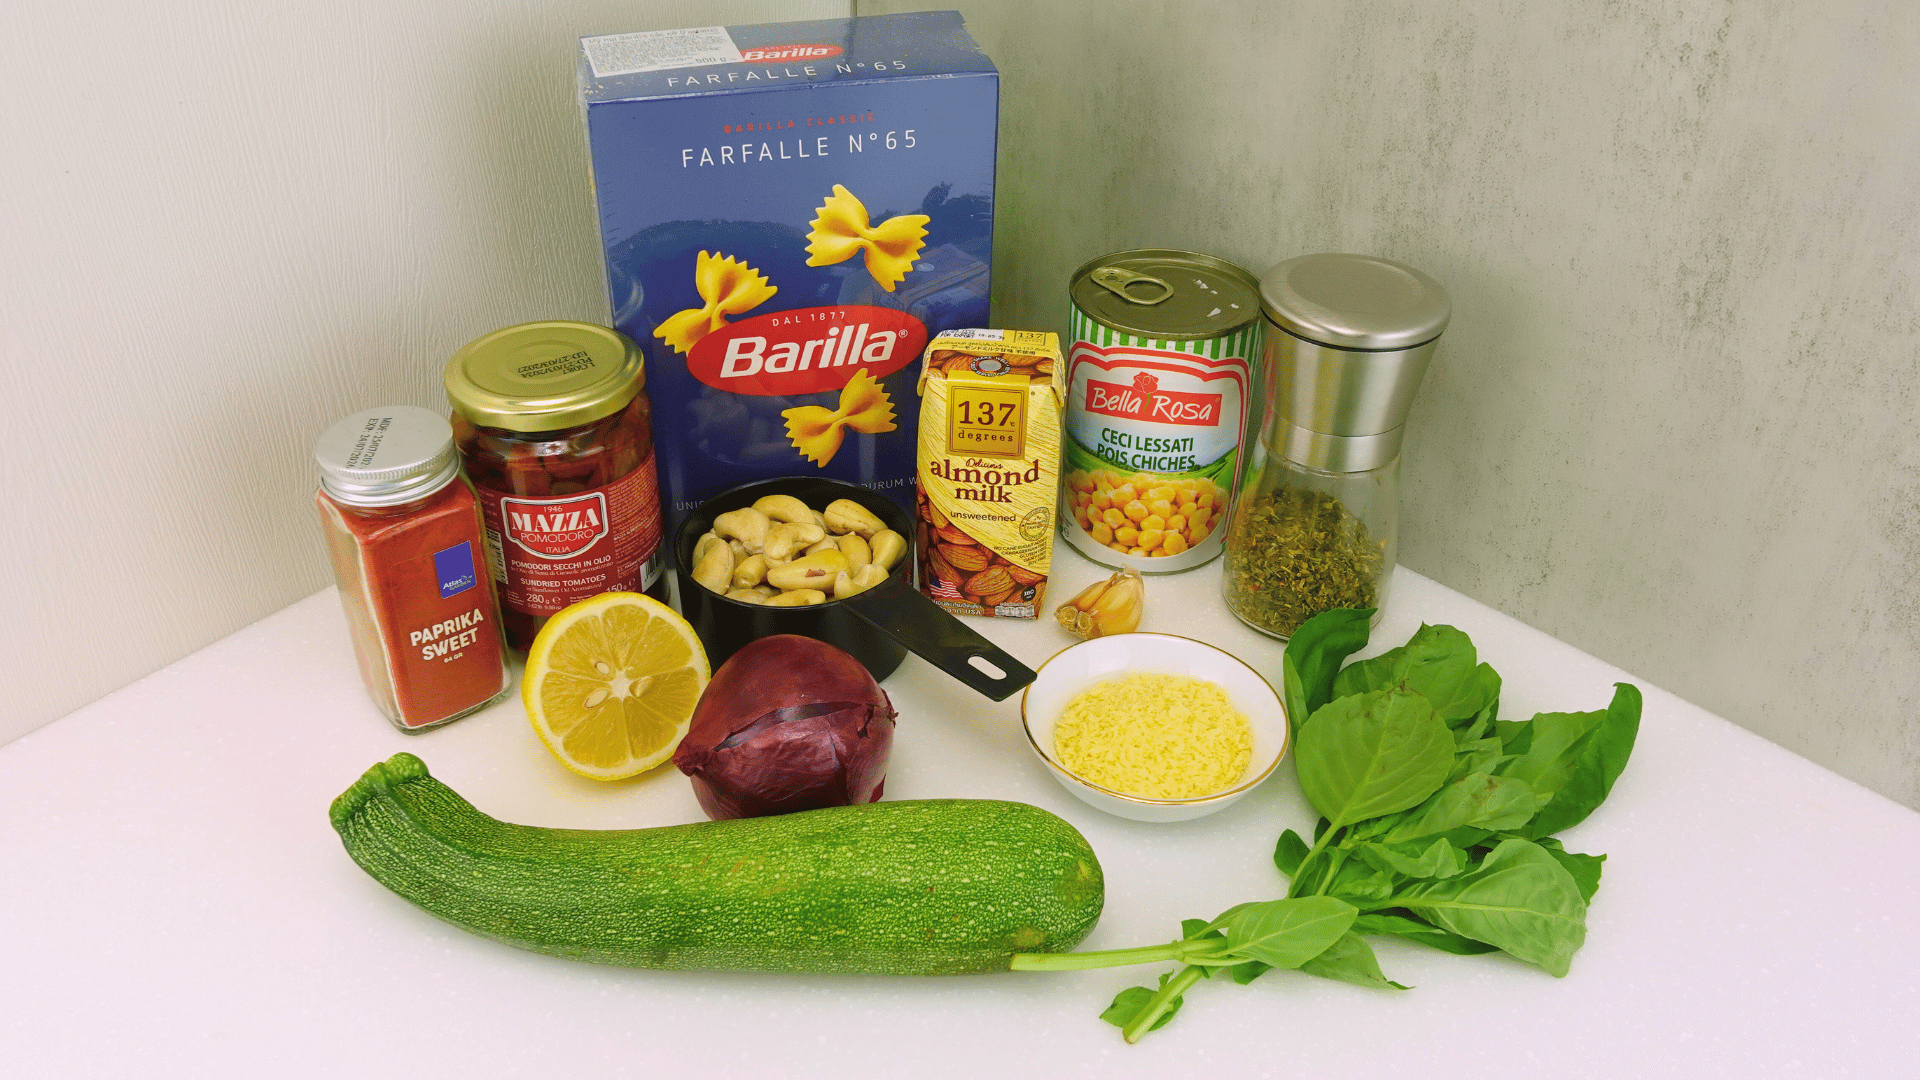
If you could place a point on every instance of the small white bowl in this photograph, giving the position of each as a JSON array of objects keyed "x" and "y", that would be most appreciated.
[{"x": 1078, "y": 667}]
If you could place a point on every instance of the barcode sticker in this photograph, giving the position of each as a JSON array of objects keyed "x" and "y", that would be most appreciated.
[
  {"x": 496, "y": 558},
  {"x": 660, "y": 50}
]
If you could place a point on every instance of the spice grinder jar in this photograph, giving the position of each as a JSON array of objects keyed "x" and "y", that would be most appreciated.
[{"x": 1316, "y": 519}]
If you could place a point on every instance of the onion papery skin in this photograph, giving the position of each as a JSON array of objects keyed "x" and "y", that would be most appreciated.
[{"x": 788, "y": 723}]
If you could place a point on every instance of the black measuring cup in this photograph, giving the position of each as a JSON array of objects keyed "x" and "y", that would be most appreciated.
[{"x": 877, "y": 627}]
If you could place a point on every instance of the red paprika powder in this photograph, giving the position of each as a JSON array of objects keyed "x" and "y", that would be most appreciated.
[
  {"x": 404, "y": 533},
  {"x": 556, "y": 433}
]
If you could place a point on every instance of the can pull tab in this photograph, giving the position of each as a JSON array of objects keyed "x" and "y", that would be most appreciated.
[{"x": 1131, "y": 287}]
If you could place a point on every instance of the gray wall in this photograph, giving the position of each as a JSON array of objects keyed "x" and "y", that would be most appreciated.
[
  {"x": 1673, "y": 421},
  {"x": 224, "y": 224}
]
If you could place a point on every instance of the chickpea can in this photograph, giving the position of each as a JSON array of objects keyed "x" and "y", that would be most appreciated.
[
  {"x": 1158, "y": 377},
  {"x": 989, "y": 470}
]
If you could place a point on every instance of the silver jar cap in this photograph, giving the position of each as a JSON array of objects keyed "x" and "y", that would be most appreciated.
[
  {"x": 387, "y": 455},
  {"x": 1355, "y": 301}
]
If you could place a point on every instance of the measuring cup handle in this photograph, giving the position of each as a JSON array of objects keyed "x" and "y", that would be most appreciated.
[{"x": 929, "y": 631}]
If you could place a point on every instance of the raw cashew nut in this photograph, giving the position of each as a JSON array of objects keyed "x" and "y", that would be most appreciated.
[
  {"x": 831, "y": 543},
  {"x": 786, "y": 540},
  {"x": 797, "y": 598},
  {"x": 715, "y": 569},
  {"x": 747, "y": 525},
  {"x": 750, "y": 572},
  {"x": 747, "y": 596},
  {"x": 700, "y": 545},
  {"x": 855, "y": 548},
  {"x": 811, "y": 572},
  {"x": 847, "y": 516},
  {"x": 849, "y": 584},
  {"x": 887, "y": 547},
  {"x": 783, "y": 508}
]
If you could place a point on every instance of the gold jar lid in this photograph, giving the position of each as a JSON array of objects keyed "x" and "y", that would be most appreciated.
[{"x": 545, "y": 376}]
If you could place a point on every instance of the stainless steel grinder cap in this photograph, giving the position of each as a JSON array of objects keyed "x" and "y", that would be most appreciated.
[{"x": 1358, "y": 333}]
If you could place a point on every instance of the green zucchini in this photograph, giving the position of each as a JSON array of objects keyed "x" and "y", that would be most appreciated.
[{"x": 936, "y": 887}]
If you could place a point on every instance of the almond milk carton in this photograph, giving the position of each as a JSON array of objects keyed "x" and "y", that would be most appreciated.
[{"x": 989, "y": 470}]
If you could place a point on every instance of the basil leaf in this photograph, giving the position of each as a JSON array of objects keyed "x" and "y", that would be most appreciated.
[
  {"x": 1241, "y": 973},
  {"x": 1439, "y": 662},
  {"x": 1543, "y": 754},
  {"x": 1480, "y": 724},
  {"x": 1520, "y": 900},
  {"x": 1225, "y": 917},
  {"x": 1288, "y": 933},
  {"x": 1290, "y": 852},
  {"x": 1314, "y": 653},
  {"x": 1366, "y": 676},
  {"x": 1584, "y": 868},
  {"x": 1466, "y": 838},
  {"x": 1351, "y": 960},
  {"x": 1372, "y": 754},
  {"x": 1420, "y": 932},
  {"x": 1437, "y": 860},
  {"x": 1479, "y": 755},
  {"x": 1133, "y": 1001},
  {"x": 1481, "y": 800},
  {"x": 1249, "y": 971},
  {"x": 1363, "y": 885},
  {"x": 1587, "y": 772}
]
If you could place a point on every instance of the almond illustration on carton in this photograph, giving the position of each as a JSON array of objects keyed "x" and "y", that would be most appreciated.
[
  {"x": 970, "y": 559},
  {"x": 995, "y": 583}
]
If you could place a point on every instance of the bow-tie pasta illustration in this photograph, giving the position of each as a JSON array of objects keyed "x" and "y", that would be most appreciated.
[
  {"x": 728, "y": 287},
  {"x": 817, "y": 432},
  {"x": 840, "y": 231}
]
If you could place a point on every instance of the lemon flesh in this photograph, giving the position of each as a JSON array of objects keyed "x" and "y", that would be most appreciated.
[{"x": 611, "y": 684}]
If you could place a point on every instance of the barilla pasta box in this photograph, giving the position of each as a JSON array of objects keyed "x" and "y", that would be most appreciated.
[
  {"x": 989, "y": 470},
  {"x": 790, "y": 212}
]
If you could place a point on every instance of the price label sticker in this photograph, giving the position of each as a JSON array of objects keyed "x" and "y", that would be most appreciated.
[{"x": 987, "y": 418}]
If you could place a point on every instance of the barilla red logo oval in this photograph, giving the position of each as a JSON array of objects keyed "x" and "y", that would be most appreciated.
[
  {"x": 1144, "y": 400},
  {"x": 555, "y": 528},
  {"x": 781, "y": 54},
  {"x": 806, "y": 351}
]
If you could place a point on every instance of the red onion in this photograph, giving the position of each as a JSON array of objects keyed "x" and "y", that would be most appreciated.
[{"x": 788, "y": 723}]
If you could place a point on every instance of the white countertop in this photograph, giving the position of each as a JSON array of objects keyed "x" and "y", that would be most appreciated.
[{"x": 176, "y": 904}]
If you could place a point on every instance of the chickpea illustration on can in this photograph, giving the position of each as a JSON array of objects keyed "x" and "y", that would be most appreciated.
[{"x": 1159, "y": 373}]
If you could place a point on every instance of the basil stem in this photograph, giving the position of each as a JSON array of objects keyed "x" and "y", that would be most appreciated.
[{"x": 1161, "y": 1001}]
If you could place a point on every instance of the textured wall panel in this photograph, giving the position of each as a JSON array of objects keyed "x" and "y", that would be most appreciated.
[
  {"x": 225, "y": 225},
  {"x": 1674, "y": 421}
]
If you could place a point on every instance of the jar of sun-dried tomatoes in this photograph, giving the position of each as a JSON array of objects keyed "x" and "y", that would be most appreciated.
[{"x": 556, "y": 434}]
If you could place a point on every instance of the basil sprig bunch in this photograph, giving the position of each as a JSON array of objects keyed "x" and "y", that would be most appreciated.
[{"x": 1435, "y": 824}]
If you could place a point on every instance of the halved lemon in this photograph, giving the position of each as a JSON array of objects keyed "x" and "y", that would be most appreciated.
[{"x": 611, "y": 684}]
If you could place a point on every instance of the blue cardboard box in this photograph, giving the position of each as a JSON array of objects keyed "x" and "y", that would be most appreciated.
[{"x": 790, "y": 212}]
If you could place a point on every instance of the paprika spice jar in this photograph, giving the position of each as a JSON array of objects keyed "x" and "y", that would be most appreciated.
[
  {"x": 403, "y": 531},
  {"x": 556, "y": 433}
]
